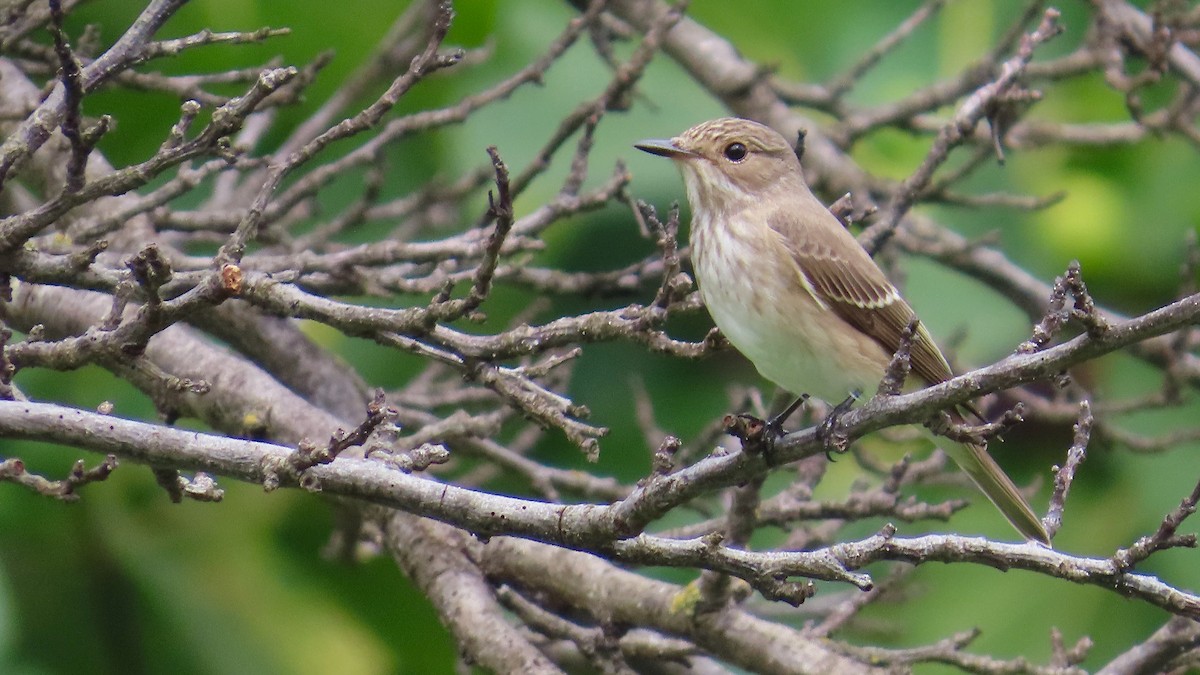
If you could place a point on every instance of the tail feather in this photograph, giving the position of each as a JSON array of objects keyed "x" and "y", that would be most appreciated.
[{"x": 975, "y": 461}]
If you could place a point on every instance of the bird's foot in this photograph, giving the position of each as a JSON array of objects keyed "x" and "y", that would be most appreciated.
[
  {"x": 760, "y": 436},
  {"x": 830, "y": 432}
]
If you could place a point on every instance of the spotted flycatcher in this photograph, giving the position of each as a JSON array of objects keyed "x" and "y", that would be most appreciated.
[{"x": 792, "y": 289}]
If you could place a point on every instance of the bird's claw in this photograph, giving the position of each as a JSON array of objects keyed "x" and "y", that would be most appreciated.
[
  {"x": 829, "y": 431},
  {"x": 760, "y": 436}
]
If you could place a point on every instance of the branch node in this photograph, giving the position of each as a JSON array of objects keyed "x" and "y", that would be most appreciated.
[{"x": 900, "y": 365}]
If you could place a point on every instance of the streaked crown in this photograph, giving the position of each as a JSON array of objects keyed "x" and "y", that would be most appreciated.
[{"x": 733, "y": 160}]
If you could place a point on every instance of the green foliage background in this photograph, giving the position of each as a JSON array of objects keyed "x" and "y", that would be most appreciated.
[{"x": 125, "y": 582}]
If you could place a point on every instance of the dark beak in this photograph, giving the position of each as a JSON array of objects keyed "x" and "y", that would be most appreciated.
[{"x": 664, "y": 148}]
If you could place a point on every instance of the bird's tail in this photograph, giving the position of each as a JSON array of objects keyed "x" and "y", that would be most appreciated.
[{"x": 991, "y": 479}]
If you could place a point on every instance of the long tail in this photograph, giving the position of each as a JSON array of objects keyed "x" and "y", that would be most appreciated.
[{"x": 996, "y": 485}]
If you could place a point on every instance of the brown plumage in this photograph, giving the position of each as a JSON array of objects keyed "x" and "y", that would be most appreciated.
[{"x": 795, "y": 292}]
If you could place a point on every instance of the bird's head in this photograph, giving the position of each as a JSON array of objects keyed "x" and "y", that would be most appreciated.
[{"x": 729, "y": 162}]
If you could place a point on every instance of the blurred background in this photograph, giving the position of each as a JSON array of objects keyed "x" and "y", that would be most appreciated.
[{"x": 126, "y": 582}]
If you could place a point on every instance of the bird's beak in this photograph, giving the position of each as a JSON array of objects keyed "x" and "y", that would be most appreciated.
[{"x": 664, "y": 148}]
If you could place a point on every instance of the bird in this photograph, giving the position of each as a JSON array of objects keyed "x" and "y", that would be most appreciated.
[{"x": 792, "y": 290}]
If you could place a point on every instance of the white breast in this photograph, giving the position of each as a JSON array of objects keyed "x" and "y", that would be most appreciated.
[{"x": 758, "y": 299}]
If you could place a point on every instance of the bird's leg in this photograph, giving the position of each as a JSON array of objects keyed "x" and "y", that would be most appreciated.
[
  {"x": 774, "y": 428},
  {"x": 761, "y": 435},
  {"x": 775, "y": 424},
  {"x": 828, "y": 431}
]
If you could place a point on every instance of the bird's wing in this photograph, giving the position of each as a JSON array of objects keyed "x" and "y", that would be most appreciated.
[
  {"x": 840, "y": 275},
  {"x": 845, "y": 279}
]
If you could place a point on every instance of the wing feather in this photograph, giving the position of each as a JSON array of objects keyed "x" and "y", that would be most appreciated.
[{"x": 847, "y": 280}]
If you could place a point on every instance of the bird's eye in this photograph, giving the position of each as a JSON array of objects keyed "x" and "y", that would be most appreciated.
[{"x": 735, "y": 152}]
